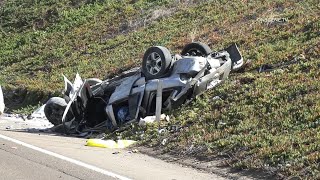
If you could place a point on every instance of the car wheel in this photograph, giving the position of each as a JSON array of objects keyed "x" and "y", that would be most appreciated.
[
  {"x": 196, "y": 49},
  {"x": 54, "y": 109},
  {"x": 156, "y": 62}
]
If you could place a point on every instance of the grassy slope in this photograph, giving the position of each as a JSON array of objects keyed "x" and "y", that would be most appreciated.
[{"x": 263, "y": 121}]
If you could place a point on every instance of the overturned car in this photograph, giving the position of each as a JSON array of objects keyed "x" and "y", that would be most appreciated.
[{"x": 163, "y": 82}]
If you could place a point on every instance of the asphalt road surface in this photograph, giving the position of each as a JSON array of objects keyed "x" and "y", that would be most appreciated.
[
  {"x": 26, "y": 153},
  {"x": 19, "y": 162}
]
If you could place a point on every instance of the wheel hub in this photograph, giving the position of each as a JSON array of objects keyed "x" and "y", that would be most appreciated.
[{"x": 154, "y": 63}]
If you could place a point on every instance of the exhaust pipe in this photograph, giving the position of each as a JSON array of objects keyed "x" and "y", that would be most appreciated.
[{"x": 1, "y": 102}]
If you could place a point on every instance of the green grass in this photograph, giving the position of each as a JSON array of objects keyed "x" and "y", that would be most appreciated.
[{"x": 266, "y": 121}]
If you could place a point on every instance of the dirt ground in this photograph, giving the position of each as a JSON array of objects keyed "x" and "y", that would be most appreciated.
[{"x": 212, "y": 165}]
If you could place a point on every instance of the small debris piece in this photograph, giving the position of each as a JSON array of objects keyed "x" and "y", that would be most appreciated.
[
  {"x": 216, "y": 98},
  {"x": 22, "y": 117},
  {"x": 271, "y": 67},
  {"x": 164, "y": 142},
  {"x": 161, "y": 131},
  {"x": 265, "y": 68},
  {"x": 133, "y": 151},
  {"x": 174, "y": 128},
  {"x": 14, "y": 147},
  {"x": 152, "y": 119},
  {"x": 117, "y": 152},
  {"x": 111, "y": 144}
]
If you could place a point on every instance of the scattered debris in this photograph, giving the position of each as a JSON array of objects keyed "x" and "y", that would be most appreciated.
[
  {"x": 164, "y": 142},
  {"x": 175, "y": 128},
  {"x": 133, "y": 151},
  {"x": 222, "y": 123},
  {"x": 32, "y": 125},
  {"x": 117, "y": 152},
  {"x": 22, "y": 117},
  {"x": 271, "y": 67},
  {"x": 16, "y": 116},
  {"x": 161, "y": 131},
  {"x": 216, "y": 98},
  {"x": 152, "y": 119},
  {"x": 14, "y": 147},
  {"x": 111, "y": 144}
]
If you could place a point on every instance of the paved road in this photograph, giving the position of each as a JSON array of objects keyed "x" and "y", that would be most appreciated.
[{"x": 20, "y": 162}]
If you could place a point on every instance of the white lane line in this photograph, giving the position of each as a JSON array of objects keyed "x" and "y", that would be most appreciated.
[{"x": 79, "y": 163}]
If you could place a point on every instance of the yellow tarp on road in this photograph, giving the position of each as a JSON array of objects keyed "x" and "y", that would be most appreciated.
[{"x": 111, "y": 144}]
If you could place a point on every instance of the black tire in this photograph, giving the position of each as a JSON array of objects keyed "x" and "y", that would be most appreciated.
[
  {"x": 196, "y": 49},
  {"x": 156, "y": 62},
  {"x": 54, "y": 109}
]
